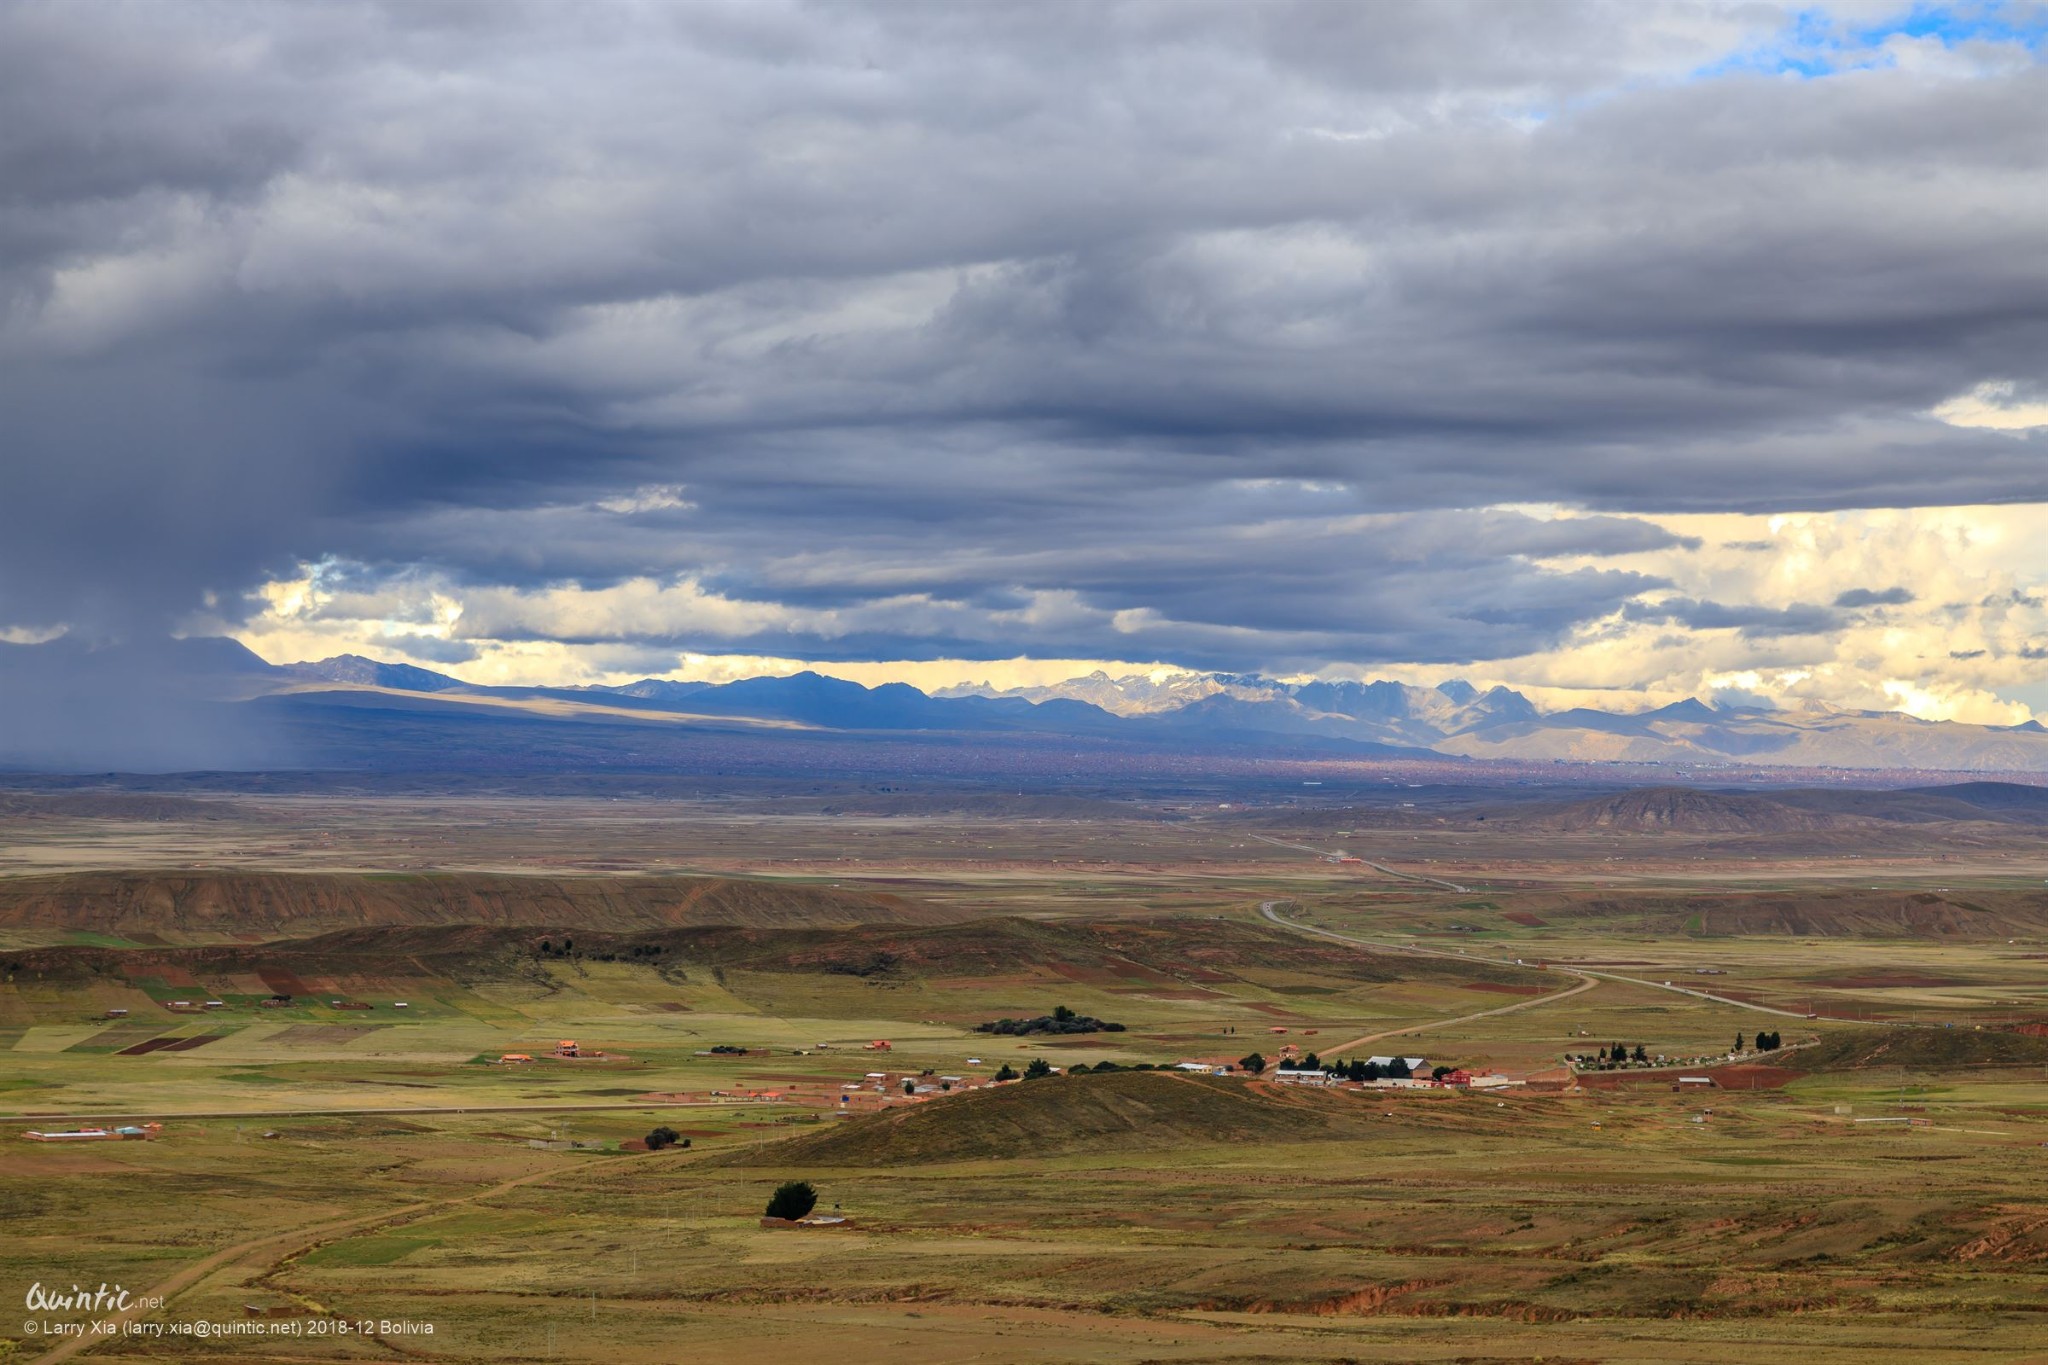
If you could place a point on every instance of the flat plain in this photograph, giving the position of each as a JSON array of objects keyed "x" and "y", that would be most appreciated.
[{"x": 1877, "y": 1187}]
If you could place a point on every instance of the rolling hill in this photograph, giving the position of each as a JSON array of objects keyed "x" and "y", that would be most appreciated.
[
  {"x": 1117, "y": 1111},
  {"x": 1919, "y": 1050},
  {"x": 279, "y": 904}
]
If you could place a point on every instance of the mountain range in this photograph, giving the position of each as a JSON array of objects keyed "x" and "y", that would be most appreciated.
[
  {"x": 1452, "y": 719},
  {"x": 350, "y": 711}
]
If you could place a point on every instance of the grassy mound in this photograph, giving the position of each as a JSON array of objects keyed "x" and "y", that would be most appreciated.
[
  {"x": 1111, "y": 1111},
  {"x": 1918, "y": 1049}
]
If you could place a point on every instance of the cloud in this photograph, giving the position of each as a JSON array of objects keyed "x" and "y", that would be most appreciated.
[
  {"x": 1239, "y": 337},
  {"x": 1753, "y": 622},
  {"x": 1873, "y": 597},
  {"x": 1995, "y": 405}
]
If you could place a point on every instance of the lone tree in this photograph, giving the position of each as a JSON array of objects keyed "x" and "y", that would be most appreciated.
[
  {"x": 1738, "y": 1042},
  {"x": 1037, "y": 1067},
  {"x": 792, "y": 1200},
  {"x": 1253, "y": 1063},
  {"x": 1008, "y": 1073},
  {"x": 661, "y": 1137},
  {"x": 1640, "y": 1055}
]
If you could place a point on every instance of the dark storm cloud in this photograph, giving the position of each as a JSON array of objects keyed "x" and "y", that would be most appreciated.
[
  {"x": 1875, "y": 597},
  {"x": 1201, "y": 320},
  {"x": 1751, "y": 622}
]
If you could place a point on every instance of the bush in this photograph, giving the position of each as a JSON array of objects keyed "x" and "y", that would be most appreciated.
[
  {"x": 663, "y": 1136},
  {"x": 1008, "y": 1073},
  {"x": 792, "y": 1200}
]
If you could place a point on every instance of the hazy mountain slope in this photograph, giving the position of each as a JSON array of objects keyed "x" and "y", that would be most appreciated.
[
  {"x": 1682, "y": 810},
  {"x": 354, "y": 668},
  {"x": 352, "y": 712}
]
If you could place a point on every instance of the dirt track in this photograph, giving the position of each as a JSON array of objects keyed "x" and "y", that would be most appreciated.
[{"x": 1586, "y": 983}]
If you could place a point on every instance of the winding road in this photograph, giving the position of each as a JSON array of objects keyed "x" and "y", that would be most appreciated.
[
  {"x": 1266, "y": 909},
  {"x": 1586, "y": 981}
]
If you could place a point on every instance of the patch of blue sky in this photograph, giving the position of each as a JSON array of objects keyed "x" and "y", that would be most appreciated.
[{"x": 1816, "y": 42}]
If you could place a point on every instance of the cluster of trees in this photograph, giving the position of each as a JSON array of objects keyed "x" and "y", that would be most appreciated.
[
  {"x": 727, "y": 1050},
  {"x": 1394, "y": 1069},
  {"x": 1765, "y": 1042},
  {"x": 1355, "y": 1070},
  {"x": 1061, "y": 1020},
  {"x": 665, "y": 1136},
  {"x": 1038, "y": 1068}
]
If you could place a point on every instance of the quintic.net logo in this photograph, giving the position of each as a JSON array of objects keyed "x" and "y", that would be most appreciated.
[{"x": 76, "y": 1299}]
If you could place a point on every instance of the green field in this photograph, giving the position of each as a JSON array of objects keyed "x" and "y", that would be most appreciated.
[{"x": 1876, "y": 1190}]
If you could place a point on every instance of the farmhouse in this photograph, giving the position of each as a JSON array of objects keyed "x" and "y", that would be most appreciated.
[{"x": 1292, "y": 1077}]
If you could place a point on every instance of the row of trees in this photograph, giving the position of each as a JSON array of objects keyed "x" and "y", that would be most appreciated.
[{"x": 1765, "y": 1042}]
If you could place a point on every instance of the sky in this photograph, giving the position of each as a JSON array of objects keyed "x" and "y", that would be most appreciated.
[{"x": 1614, "y": 351}]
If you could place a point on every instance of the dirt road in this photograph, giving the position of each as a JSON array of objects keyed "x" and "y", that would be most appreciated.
[
  {"x": 285, "y": 1244},
  {"x": 1586, "y": 982},
  {"x": 1375, "y": 866}
]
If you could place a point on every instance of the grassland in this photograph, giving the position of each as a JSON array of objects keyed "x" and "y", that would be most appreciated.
[{"x": 338, "y": 1165}]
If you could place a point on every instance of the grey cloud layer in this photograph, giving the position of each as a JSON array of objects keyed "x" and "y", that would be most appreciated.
[{"x": 1209, "y": 315}]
